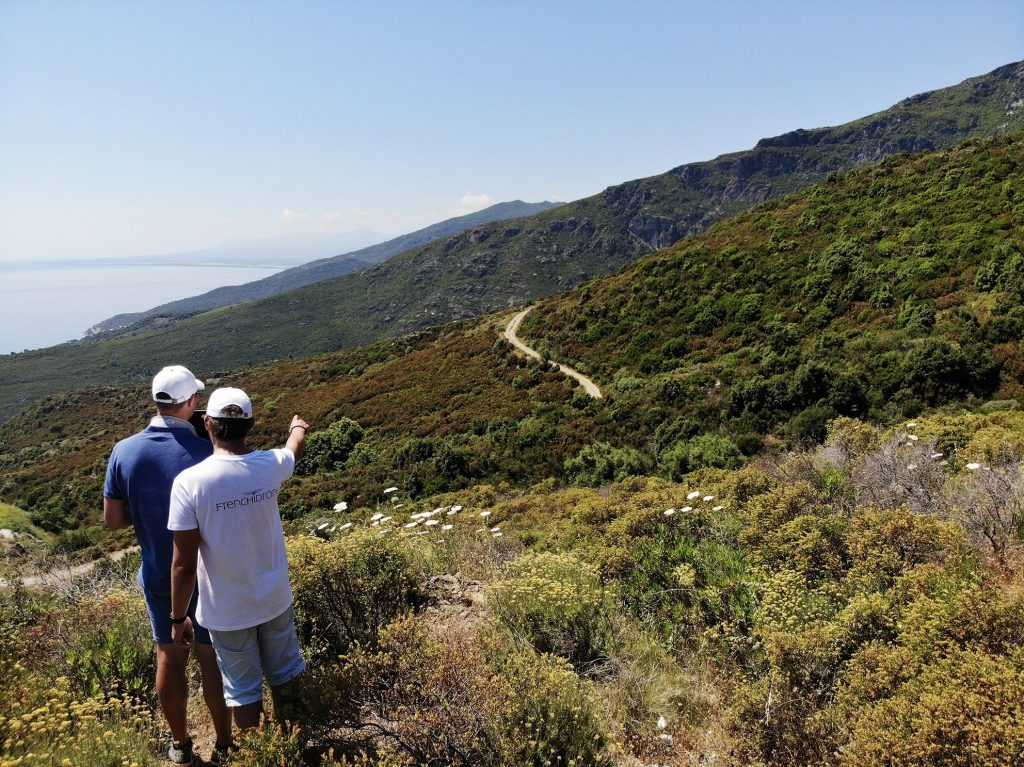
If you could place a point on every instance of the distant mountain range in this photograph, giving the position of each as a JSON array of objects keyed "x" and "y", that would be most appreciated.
[
  {"x": 315, "y": 271},
  {"x": 511, "y": 263}
]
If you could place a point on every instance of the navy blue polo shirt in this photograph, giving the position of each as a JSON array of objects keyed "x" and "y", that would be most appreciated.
[{"x": 141, "y": 471}]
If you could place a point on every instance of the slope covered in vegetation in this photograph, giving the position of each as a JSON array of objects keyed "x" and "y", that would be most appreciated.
[
  {"x": 874, "y": 295},
  {"x": 500, "y": 265},
  {"x": 493, "y": 569},
  {"x": 893, "y": 289},
  {"x": 801, "y": 610}
]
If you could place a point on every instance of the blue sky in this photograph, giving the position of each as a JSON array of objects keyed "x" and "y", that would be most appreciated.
[{"x": 135, "y": 128}]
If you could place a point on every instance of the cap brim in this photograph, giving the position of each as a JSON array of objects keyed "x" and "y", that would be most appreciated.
[{"x": 200, "y": 385}]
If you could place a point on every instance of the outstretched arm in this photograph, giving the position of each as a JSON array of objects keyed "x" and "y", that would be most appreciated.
[{"x": 297, "y": 436}]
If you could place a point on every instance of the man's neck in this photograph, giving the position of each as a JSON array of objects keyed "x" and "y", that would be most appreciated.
[{"x": 230, "y": 447}]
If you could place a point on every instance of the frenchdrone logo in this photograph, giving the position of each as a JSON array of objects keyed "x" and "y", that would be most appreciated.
[{"x": 251, "y": 497}]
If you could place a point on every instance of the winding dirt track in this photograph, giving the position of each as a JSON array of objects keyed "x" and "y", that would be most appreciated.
[
  {"x": 510, "y": 335},
  {"x": 64, "y": 574}
]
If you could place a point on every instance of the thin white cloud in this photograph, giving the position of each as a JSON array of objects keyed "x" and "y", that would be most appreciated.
[
  {"x": 470, "y": 202},
  {"x": 290, "y": 216},
  {"x": 330, "y": 217}
]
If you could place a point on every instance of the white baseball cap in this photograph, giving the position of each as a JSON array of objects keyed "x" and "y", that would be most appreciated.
[
  {"x": 174, "y": 385},
  {"x": 229, "y": 403}
]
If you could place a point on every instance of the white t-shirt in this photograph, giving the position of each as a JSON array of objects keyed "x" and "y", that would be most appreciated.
[{"x": 242, "y": 571}]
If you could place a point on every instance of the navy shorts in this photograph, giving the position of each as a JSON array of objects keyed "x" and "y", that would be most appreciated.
[{"x": 159, "y": 608}]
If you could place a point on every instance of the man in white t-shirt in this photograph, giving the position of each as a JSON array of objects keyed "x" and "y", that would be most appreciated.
[{"x": 228, "y": 538}]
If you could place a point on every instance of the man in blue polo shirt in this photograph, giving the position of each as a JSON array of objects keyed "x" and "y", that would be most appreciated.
[{"x": 137, "y": 492}]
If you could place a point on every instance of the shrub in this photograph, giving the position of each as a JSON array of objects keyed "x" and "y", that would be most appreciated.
[
  {"x": 327, "y": 450},
  {"x": 442, "y": 696},
  {"x": 557, "y": 604},
  {"x": 989, "y": 503},
  {"x": 918, "y": 721},
  {"x": 811, "y": 424},
  {"x": 69, "y": 730},
  {"x": 347, "y": 590},
  {"x": 690, "y": 577},
  {"x": 557, "y": 721},
  {"x": 599, "y": 463},
  {"x": 101, "y": 645},
  {"x": 427, "y": 698},
  {"x": 704, "y": 451}
]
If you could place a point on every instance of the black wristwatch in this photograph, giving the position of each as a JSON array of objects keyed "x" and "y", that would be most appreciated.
[{"x": 178, "y": 620}]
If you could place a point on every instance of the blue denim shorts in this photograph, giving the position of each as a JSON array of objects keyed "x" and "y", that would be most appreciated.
[
  {"x": 245, "y": 656},
  {"x": 159, "y": 608}
]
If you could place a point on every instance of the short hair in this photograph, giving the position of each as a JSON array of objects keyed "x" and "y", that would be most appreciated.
[
  {"x": 169, "y": 408},
  {"x": 230, "y": 429}
]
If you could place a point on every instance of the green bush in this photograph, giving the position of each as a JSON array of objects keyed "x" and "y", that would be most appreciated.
[
  {"x": 101, "y": 644},
  {"x": 556, "y": 721},
  {"x": 440, "y": 695},
  {"x": 599, "y": 463},
  {"x": 345, "y": 591},
  {"x": 327, "y": 450},
  {"x": 557, "y": 604},
  {"x": 966, "y": 708},
  {"x": 703, "y": 451},
  {"x": 689, "y": 581}
]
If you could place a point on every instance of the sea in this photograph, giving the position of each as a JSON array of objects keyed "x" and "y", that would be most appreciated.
[{"x": 44, "y": 304}]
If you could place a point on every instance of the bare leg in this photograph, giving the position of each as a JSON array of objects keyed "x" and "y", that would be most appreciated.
[
  {"x": 248, "y": 716},
  {"x": 172, "y": 688},
  {"x": 213, "y": 693},
  {"x": 286, "y": 701}
]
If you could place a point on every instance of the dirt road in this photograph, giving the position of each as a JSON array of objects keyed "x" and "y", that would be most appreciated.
[
  {"x": 63, "y": 575},
  {"x": 510, "y": 335}
]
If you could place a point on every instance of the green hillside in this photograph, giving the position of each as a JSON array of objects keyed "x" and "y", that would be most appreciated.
[
  {"x": 894, "y": 289},
  {"x": 500, "y": 265},
  {"x": 877, "y": 295},
  {"x": 675, "y": 574},
  {"x": 314, "y": 271}
]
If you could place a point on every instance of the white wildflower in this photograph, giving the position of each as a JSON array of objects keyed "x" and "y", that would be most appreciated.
[
  {"x": 974, "y": 466},
  {"x": 694, "y": 494},
  {"x": 669, "y": 512},
  {"x": 390, "y": 490}
]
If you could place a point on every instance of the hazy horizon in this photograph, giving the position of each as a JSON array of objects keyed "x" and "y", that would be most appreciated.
[{"x": 326, "y": 118}]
